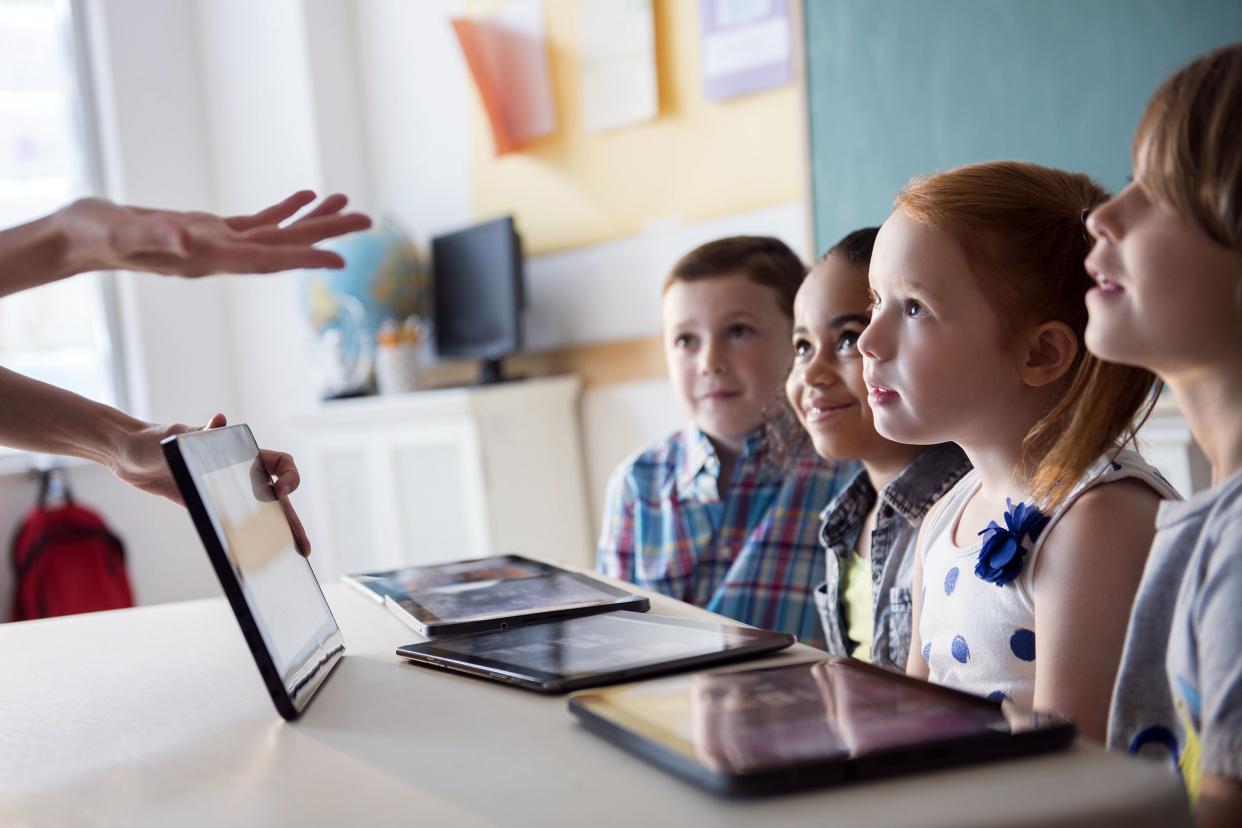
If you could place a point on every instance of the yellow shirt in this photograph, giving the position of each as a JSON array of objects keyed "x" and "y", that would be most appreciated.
[{"x": 859, "y": 611}]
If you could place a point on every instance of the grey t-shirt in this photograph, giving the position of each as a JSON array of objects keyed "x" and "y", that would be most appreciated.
[{"x": 1179, "y": 689}]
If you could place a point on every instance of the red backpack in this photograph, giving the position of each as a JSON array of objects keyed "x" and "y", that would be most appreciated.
[{"x": 66, "y": 561}]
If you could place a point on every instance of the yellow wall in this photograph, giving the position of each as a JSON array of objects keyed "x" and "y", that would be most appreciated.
[{"x": 699, "y": 159}]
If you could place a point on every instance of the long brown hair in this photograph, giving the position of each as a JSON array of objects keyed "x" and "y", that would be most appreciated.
[
  {"x": 1021, "y": 228},
  {"x": 1188, "y": 145}
]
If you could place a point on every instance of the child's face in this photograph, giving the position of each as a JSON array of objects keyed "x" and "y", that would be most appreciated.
[
  {"x": 1168, "y": 296},
  {"x": 825, "y": 386},
  {"x": 933, "y": 356},
  {"x": 726, "y": 344}
]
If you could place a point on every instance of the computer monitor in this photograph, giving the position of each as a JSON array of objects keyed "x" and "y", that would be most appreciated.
[{"x": 479, "y": 294}]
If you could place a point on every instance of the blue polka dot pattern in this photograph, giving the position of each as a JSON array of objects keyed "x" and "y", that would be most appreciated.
[
  {"x": 960, "y": 650},
  {"x": 950, "y": 580},
  {"x": 927, "y": 652},
  {"x": 998, "y": 696},
  {"x": 1022, "y": 642}
]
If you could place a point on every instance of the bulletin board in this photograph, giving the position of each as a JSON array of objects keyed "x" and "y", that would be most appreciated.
[
  {"x": 898, "y": 89},
  {"x": 698, "y": 160}
]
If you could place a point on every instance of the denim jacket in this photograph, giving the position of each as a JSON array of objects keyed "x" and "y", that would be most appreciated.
[{"x": 905, "y": 501}]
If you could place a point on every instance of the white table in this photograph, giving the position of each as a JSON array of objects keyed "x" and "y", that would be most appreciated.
[{"x": 157, "y": 716}]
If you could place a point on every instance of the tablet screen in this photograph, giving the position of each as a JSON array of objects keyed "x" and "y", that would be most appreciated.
[
  {"x": 232, "y": 489},
  {"x": 610, "y": 642},
  {"x": 278, "y": 583},
  {"x": 751, "y": 721},
  {"x": 399, "y": 582},
  {"x": 482, "y": 599}
]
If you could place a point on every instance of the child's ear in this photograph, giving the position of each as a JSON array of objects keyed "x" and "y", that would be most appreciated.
[{"x": 1051, "y": 349}]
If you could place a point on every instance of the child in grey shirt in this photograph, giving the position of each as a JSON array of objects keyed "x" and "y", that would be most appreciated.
[{"x": 1168, "y": 265}]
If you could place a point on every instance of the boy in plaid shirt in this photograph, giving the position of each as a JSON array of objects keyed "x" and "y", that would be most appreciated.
[{"x": 711, "y": 515}]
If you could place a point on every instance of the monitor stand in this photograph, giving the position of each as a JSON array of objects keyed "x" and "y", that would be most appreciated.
[{"x": 491, "y": 371}]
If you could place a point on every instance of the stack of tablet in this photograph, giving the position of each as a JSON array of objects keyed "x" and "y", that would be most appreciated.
[{"x": 538, "y": 626}]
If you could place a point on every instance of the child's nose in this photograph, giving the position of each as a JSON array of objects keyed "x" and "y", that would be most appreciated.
[
  {"x": 1100, "y": 220},
  {"x": 711, "y": 359},
  {"x": 820, "y": 371},
  {"x": 870, "y": 339}
]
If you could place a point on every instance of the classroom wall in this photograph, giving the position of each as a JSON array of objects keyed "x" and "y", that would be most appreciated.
[
  {"x": 898, "y": 89},
  {"x": 230, "y": 105},
  {"x": 415, "y": 110}
]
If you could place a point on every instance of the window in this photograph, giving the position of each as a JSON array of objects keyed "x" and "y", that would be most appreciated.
[{"x": 59, "y": 333}]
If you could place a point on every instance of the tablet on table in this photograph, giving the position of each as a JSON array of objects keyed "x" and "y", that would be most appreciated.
[
  {"x": 490, "y": 594},
  {"x": 824, "y": 722},
  {"x": 557, "y": 656}
]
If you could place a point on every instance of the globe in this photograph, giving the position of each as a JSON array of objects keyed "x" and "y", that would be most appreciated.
[
  {"x": 382, "y": 279},
  {"x": 382, "y": 272}
]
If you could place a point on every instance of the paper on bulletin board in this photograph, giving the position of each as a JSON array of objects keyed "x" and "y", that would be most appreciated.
[
  {"x": 507, "y": 52},
  {"x": 617, "y": 63},
  {"x": 746, "y": 46},
  {"x": 698, "y": 160}
]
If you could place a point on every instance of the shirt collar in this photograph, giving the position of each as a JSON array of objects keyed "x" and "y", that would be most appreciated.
[
  {"x": 698, "y": 456},
  {"x": 1173, "y": 512},
  {"x": 910, "y": 494},
  {"x": 924, "y": 481},
  {"x": 841, "y": 520}
]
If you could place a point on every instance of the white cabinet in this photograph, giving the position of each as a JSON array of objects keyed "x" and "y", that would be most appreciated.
[{"x": 444, "y": 475}]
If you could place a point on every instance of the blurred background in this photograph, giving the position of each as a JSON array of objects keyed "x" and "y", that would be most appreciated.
[{"x": 617, "y": 134}]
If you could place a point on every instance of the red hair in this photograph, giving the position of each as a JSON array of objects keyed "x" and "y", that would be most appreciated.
[{"x": 1021, "y": 228}]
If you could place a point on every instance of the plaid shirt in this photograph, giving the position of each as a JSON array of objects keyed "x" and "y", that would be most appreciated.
[{"x": 753, "y": 554}]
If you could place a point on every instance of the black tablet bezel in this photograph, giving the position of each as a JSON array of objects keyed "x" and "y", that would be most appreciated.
[
  {"x": 1052, "y": 733},
  {"x": 622, "y": 600},
  {"x": 330, "y": 649},
  {"x": 755, "y": 642}
]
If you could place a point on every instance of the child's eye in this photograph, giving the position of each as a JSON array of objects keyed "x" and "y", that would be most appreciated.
[
  {"x": 802, "y": 349},
  {"x": 738, "y": 330},
  {"x": 873, "y": 300},
  {"x": 848, "y": 342},
  {"x": 683, "y": 341},
  {"x": 915, "y": 309}
]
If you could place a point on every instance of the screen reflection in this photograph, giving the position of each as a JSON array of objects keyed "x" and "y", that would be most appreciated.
[{"x": 753, "y": 720}]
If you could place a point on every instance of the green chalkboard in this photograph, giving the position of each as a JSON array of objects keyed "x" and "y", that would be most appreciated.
[{"x": 899, "y": 88}]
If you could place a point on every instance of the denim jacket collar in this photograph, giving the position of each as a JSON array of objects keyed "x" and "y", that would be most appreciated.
[
  {"x": 842, "y": 519},
  {"x": 925, "y": 481},
  {"x": 910, "y": 494}
]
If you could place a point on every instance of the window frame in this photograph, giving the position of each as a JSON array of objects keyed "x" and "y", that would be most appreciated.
[{"x": 73, "y": 32}]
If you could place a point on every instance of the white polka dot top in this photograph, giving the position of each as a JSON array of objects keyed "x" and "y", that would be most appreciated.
[{"x": 980, "y": 637}]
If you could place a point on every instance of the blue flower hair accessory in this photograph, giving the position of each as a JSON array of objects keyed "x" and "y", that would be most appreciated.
[{"x": 1000, "y": 559}]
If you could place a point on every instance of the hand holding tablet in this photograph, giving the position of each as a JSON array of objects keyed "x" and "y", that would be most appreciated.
[{"x": 271, "y": 588}]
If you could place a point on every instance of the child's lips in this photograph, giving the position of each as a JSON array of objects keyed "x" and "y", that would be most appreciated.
[
  {"x": 819, "y": 411},
  {"x": 1103, "y": 283},
  {"x": 719, "y": 395},
  {"x": 880, "y": 394}
]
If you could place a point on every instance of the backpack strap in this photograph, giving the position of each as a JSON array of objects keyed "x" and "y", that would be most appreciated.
[
  {"x": 62, "y": 535},
  {"x": 48, "y": 477}
]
